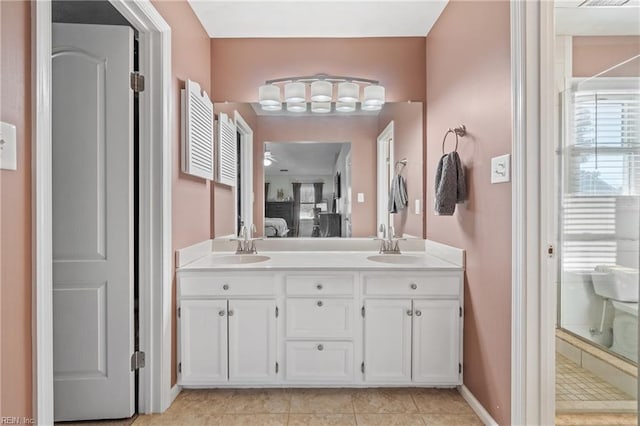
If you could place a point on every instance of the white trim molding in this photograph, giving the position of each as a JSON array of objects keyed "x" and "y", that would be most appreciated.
[
  {"x": 155, "y": 256},
  {"x": 477, "y": 408},
  {"x": 42, "y": 204},
  {"x": 532, "y": 371},
  {"x": 246, "y": 166}
]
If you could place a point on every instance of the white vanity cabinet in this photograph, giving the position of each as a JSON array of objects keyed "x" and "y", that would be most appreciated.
[
  {"x": 412, "y": 328},
  {"x": 227, "y": 340}
]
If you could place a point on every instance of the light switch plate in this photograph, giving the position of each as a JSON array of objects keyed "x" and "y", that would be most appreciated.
[
  {"x": 501, "y": 169},
  {"x": 361, "y": 197},
  {"x": 417, "y": 207},
  {"x": 8, "y": 148}
]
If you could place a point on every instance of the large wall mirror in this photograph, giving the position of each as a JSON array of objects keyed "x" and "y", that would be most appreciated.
[{"x": 325, "y": 175}]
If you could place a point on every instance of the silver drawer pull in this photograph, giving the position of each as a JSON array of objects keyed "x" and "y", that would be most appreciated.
[
  {"x": 221, "y": 313},
  {"x": 414, "y": 286},
  {"x": 230, "y": 312},
  {"x": 409, "y": 312},
  {"x": 418, "y": 313},
  {"x": 320, "y": 347},
  {"x": 319, "y": 286},
  {"x": 319, "y": 303},
  {"x": 225, "y": 287}
]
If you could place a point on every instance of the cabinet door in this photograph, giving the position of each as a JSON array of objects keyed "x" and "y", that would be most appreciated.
[
  {"x": 436, "y": 341},
  {"x": 320, "y": 318},
  {"x": 203, "y": 341},
  {"x": 252, "y": 341},
  {"x": 387, "y": 341}
]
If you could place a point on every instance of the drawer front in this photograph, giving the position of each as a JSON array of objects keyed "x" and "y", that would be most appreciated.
[
  {"x": 327, "y": 318},
  {"x": 319, "y": 285},
  {"x": 225, "y": 285},
  {"x": 319, "y": 361},
  {"x": 412, "y": 285}
]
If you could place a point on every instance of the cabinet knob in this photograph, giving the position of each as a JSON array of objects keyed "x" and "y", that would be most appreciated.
[
  {"x": 414, "y": 286},
  {"x": 418, "y": 313},
  {"x": 225, "y": 287},
  {"x": 409, "y": 312},
  {"x": 230, "y": 312},
  {"x": 319, "y": 303},
  {"x": 320, "y": 347},
  {"x": 221, "y": 313},
  {"x": 319, "y": 286}
]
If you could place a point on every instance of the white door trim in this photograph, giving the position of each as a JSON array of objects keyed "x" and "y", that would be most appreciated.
[
  {"x": 533, "y": 304},
  {"x": 382, "y": 207},
  {"x": 155, "y": 274},
  {"x": 246, "y": 165}
]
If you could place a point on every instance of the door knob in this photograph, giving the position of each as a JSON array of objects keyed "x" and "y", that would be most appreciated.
[
  {"x": 319, "y": 303},
  {"x": 418, "y": 313},
  {"x": 414, "y": 286},
  {"x": 231, "y": 312},
  {"x": 409, "y": 312},
  {"x": 319, "y": 286},
  {"x": 221, "y": 313},
  {"x": 320, "y": 347},
  {"x": 225, "y": 287}
]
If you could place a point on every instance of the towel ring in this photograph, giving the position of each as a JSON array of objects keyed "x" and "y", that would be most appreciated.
[{"x": 458, "y": 131}]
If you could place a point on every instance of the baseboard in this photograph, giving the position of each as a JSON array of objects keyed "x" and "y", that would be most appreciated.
[
  {"x": 175, "y": 391},
  {"x": 475, "y": 405}
]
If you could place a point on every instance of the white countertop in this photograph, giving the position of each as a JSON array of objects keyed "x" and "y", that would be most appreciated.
[{"x": 331, "y": 260}]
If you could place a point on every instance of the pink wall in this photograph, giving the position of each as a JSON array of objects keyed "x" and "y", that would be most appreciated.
[
  {"x": 360, "y": 131},
  {"x": 15, "y": 214},
  {"x": 190, "y": 52},
  {"x": 408, "y": 137},
  {"x": 222, "y": 196},
  {"x": 469, "y": 82},
  {"x": 593, "y": 55},
  {"x": 240, "y": 66}
]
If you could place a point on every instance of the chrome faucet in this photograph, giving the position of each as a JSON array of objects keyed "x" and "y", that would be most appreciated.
[
  {"x": 388, "y": 242},
  {"x": 246, "y": 242}
]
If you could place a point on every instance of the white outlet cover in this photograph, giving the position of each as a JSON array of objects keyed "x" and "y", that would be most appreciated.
[
  {"x": 8, "y": 148},
  {"x": 417, "y": 207},
  {"x": 501, "y": 169},
  {"x": 361, "y": 197}
]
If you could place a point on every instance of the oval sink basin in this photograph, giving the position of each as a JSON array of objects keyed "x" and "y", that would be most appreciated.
[
  {"x": 397, "y": 259},
  {"x": 240, "y": 259}
]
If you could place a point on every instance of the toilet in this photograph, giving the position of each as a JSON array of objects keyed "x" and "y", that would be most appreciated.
[{"x": 619, "y": 285}]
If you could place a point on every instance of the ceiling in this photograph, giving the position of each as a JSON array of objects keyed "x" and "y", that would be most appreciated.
[
  {"x": 573, "y": 19},
  {"x": 303, "y": 158},
  {"x": 325, "y": 18}
]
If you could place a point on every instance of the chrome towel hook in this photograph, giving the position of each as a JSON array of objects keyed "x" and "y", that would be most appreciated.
[{"x": 459, "y": 131}]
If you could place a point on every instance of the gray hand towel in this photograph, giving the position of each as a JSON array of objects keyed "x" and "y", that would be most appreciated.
[
  {"x": 398, "y": 198},
  {"x": 451, "y": 187}
]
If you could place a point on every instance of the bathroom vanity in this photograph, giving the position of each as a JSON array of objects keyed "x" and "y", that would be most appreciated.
[{"x": 304, "y": 319}]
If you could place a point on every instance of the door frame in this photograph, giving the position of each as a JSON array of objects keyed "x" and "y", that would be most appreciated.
[
  {"x": 533, "y": 298},
  {"x": 155, "y": 259},
  {"x": 386, "y": 135},
  {"x": 246, "y": 165}
]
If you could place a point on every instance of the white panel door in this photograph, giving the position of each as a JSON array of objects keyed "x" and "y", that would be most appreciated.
[
  {"x": 203, "y": 342},
  {"x": 93, "y": 331},
  {"x": 436, "y": 341},
  {"x": 387, "y": 340},
  {"x": 252, "y": 341}
]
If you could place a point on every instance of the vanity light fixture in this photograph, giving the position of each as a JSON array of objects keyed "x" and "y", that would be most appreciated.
[{"x": 321, "y": 93}]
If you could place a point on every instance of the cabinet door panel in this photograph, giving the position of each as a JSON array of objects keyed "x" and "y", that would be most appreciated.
[
  {"x": 387, "y": 341},
  {"x": 436, "y": 341},
  {"x": 252, "y": 341},
  {"x": 319, "y": 362},
  {"x": 328, "y": 318},
  {"x": 203, "y": 341}
]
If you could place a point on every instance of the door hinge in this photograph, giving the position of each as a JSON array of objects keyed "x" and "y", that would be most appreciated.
[
  {"x": 137, "y": 360},
  {"x": 137, "y": 82},
  {"x": 551, "y": 250},
  {"x": 277, "y": 367},
  {"x": 459, "y": 368},
  {"x": 179, "y": 367},
  {"x": 277, "y": 312},
  {"x": 362, "y": 367},
  {"x": 362, "y": 311},
  {"x": 179, "y": 312},
  {"x": 460, "y": 311}
]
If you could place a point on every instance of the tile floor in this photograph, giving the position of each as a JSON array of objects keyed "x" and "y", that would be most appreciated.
[{"x": 326, "y": 407}]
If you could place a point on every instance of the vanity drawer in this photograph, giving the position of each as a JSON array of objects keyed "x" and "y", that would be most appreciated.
[
  {"x": 328, "y": 318},
  {"x": 227, "y": 285},
  {"x": 412, "y": 285},
  {"x": 319, "y": 361},
  {"x": 319, "y": 285}
]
